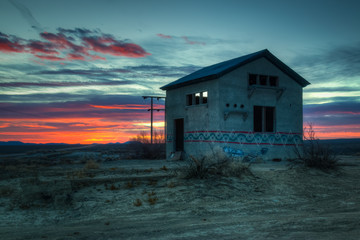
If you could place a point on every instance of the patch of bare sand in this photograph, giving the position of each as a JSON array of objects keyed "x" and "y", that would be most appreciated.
[{"x": 114, "y": 202}]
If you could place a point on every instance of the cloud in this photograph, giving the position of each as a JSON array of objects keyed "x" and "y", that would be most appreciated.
[
  {"x": 26, "y": 13},
  {"x": 127, "y": 108},
  {"x": 63, "y": 84},
  {"x": 10, "y": 44},
  {"x": 342, "y": 61},
  {"x": 187, "y": 40},
  {"x": 108, "y": 45},
  {"x": 164, "y": 36},
  {"x": 333, "y": 114},
  {"x": 192, "y": 42},
  {"x": 72, "y": 44}
]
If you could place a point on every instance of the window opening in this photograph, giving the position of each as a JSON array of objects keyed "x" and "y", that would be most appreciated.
[
  {"x": 264, "y": 119},
  {"x": 273, "y": 81},
  {"x": 252, "y": 79},
  {"x": 189, "y": 99},
  {"x": 204, "y": 97},
  {"x": 263, "y": 79},
  {"x": 269, "y": 119},
  {"x": 197, "y": 98}
]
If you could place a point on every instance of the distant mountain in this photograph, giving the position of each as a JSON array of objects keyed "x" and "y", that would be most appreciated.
[
  {"x": 14, "y": 143},
  {"x": 18, "y": 143}
]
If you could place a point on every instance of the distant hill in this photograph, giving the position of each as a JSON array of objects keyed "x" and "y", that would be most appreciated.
[
  {"x": 18, "y": 143},
  {"x": 14, "y": 143},
  {"x": 346, "y": 146}
]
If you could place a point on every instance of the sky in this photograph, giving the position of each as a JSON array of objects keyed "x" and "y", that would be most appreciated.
[{"x": 75, "y": 71}]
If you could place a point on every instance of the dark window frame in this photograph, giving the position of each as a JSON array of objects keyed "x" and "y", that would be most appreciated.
[
  {"x": 198, "y": 98},
  {"x": 252, "y": 79},
  {"x": 264, "y": 119},
  {"x": 273, "y": 81},
  {"x": 263, "y": 80}
]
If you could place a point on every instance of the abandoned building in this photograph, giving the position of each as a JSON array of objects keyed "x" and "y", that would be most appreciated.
[{"x": 247, "y": 106}]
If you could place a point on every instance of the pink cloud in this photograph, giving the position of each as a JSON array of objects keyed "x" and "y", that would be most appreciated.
[
  {"x": 115, "y": 48},
  {"x": 11, "y": 45},
  {"x": 49, "y": 57},
  {"x": 164, "y": 36},
  {"x": 192, "y": 42},
  {"x": 70, "y": 45}
]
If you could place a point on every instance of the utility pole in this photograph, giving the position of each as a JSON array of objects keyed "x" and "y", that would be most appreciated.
[{"x": 151, "y": 110}]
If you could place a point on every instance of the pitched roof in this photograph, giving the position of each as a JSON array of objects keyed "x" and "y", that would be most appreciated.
[{"x": 220, "y": 69}]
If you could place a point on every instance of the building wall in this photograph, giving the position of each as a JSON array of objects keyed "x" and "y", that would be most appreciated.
[
  {"x": 209, "y": 126},
  {"x": 196, "y": 117}
]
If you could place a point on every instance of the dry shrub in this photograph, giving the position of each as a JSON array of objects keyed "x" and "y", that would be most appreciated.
[
  {"x": 129, "y": 185},
  {"x": 36, "y": 193},
  {"x": 137, "y": 203},
  {"x": 215, "y": 164},
  {"x": 235, "y": 169},
  {"x": 6, "y": 191},
  {"x": 314, "y": 154},
  {"x": 152, "y": 182},
  {"x": 91, "y": 164},
  {"x": 113, "y": 187},
  {"x": 152, "y": 199},
  {"x": 171, "y": 185}
]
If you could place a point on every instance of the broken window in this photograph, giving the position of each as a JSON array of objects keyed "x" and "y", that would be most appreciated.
[
  {"x": 204, "y": 97},
  {"x": 252, "y": 79},
  {"x": 264, "y": 119},
  {"x": 189, "y": 99},
  {"x": 263, "y": 79},
  {"x": 197, "y": 98},
  {"x": 273, "y": 81}
]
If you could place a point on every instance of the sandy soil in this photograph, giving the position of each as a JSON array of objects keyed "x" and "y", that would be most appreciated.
[{"x": 142, "y": 199}]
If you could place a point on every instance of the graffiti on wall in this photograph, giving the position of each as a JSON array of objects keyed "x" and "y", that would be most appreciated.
[{"x": 233, "y": 152}]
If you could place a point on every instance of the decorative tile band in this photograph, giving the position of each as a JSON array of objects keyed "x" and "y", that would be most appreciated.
[{"x": 246, "y": 138}]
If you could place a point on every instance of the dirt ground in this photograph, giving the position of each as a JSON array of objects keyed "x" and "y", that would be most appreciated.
[{"x": 149, "y": 199}]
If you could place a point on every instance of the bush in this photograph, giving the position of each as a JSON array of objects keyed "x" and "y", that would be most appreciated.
[
  {"x": 215, "y": 164},
  {"x": 91, "y": 164},
  {"x": 314, "y": 154}
]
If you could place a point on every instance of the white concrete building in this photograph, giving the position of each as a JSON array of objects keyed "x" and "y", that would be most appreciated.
[{"x": 247, "y": 106}]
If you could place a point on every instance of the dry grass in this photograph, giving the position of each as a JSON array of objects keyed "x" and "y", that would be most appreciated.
[
  {"x": 152, "y": 199},
  {"x": 91, "y": 164},
  {"x": 314, "y": 154},
  {"x": 152, "y": 182},
  {"x": 171, "y": 185},
  {"x": 6, "y": 191},
  {"x": 137, "y": 203},
  {"x": 129, "y": 185},
  {"x": 113, "y": 187},
  {"x": 215, "y": 164}
]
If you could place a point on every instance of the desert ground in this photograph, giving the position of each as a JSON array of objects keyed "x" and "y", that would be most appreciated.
[{"x": 93, "y": 193}]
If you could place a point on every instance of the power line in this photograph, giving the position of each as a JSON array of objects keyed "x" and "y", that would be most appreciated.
[{"x": 152, "y": 109}]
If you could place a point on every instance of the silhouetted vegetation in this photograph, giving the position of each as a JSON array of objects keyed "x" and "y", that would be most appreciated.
[{"x": 314, "y": 154}]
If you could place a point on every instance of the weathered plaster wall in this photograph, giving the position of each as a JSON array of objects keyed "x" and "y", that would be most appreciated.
[{"x": 206, "y": 127}]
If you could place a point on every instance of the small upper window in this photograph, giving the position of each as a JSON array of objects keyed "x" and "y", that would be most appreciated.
[
  {"x": 273, "y": 81},
  {"x": 204, "y": 97},
  {"x": 252, "y": 79},
  {"x": 189, "y": 99},
  {"x": 263, "y": 79},
  {"x": 197, "y": 98}
]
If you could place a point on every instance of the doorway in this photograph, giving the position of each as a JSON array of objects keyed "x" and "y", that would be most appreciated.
[{"x": 179, "y": 134}]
